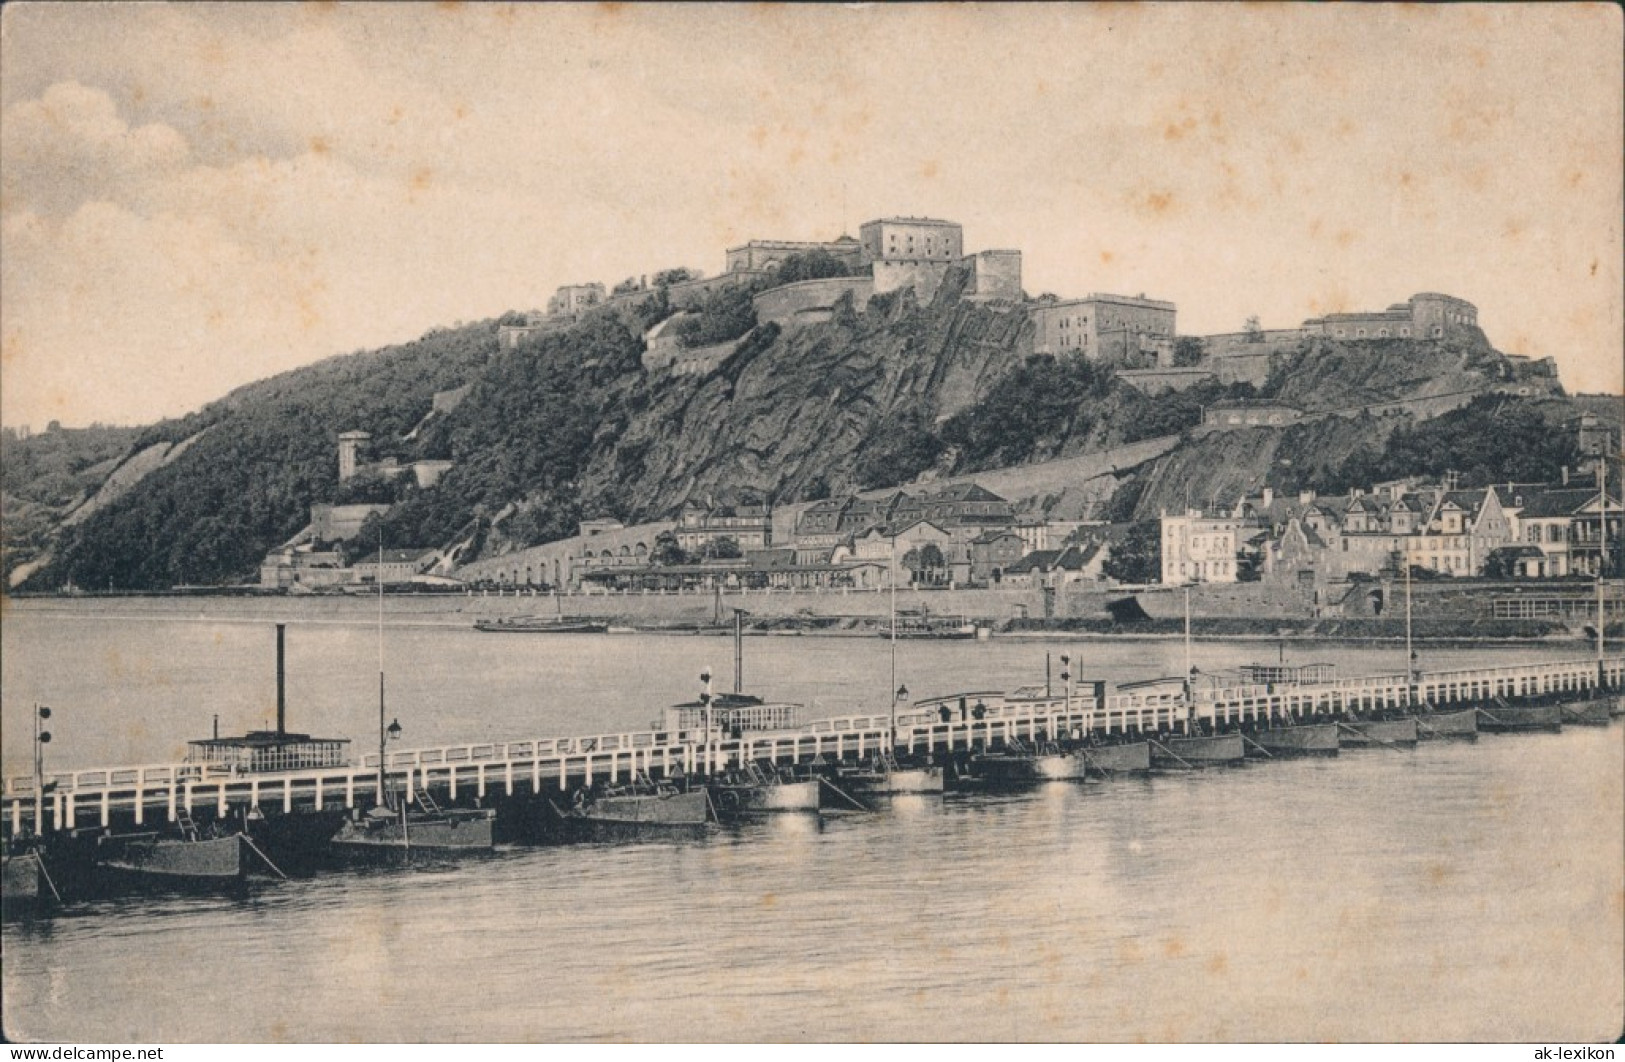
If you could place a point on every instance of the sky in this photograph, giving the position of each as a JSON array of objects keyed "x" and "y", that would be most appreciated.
[{"x": 196, "y": 196}]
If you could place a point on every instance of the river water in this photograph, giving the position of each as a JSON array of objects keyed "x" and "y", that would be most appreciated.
[{"x": 1455, "y": 892}]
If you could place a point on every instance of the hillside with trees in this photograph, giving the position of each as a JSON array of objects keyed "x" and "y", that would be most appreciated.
[{"x": 568, "y": 425}]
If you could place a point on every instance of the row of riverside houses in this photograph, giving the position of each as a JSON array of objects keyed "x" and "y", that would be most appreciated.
[
  {"x": 1508, "y": 530},
  {"x": 958, "y": 536}
]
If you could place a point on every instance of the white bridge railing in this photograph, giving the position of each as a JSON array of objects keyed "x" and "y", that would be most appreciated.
[{"x": 942, "y": 724}]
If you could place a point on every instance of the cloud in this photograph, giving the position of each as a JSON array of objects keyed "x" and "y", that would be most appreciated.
[
  {"x": 71, "y": 145},
  {"x": 111, "y": 315}
]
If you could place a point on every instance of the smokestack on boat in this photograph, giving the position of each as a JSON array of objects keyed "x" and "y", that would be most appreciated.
[{"x": 281, "y": 680}]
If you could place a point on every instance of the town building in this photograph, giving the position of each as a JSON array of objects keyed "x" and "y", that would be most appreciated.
[
  {"x": 754, "y": 573},
  {"x": 1546, "y": 518},
  {"x": 904, "y": 252},
  {"x": 1057, "y": 567},
  {"x": 572, "y": 300},
  {"x": 701, "y": 527},
  {"x": 1427, "y": 315},
  {"x": 819, "y": 529},
  {"x": 393, "y": 566},
  {"x": 303, "y": 567},
  {"x": 992, "y": 552},
  {"x": 1116, "y": 329},
  {"x": 1524, "y": 530},
  {"x": 1198, "y": 548},
  {"x": 864, "y": 526},
  {"x": 917, "y": 552}
]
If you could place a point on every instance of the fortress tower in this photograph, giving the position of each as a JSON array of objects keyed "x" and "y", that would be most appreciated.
[{"x": 350, "y": 443}]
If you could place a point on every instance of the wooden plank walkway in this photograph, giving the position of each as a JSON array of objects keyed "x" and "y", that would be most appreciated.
[{"x": 960, "y": 722}]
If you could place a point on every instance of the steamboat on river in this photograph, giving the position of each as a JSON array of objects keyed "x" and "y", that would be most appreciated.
[{"x": 274, "y": 802}]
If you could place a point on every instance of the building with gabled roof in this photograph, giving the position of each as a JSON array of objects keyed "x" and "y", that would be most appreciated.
[{"x": 992, "y": 552}]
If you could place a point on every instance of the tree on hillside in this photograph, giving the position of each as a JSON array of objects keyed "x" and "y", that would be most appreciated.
[
  {"x": 679, "y": 275},
  {"x": 1028, "y": 412},
  {"x": 1254, "y": 330},
  {"x": 1249, "y": 563},
  {"x": 366, "y": 488},
  {"x": 723, "y": 547},
  {"x": 813, "y": 265},
  {"x": 667, "y": 552},
  {"x": 1137, "y": 558},
  {"x": 899, "y": 449},
  {"x": 1494, "y": 439},
  {"x": 625, "y": 287},
  {"x": 1188, "y": 350},
  {"x": 724, "y": 315}
]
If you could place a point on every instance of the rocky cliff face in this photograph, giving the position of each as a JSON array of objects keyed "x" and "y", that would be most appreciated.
[
  {"x": 793, "y": 410},
  {"x": 1220, "y": 467},
  {"x": 1326, "y": 374}
]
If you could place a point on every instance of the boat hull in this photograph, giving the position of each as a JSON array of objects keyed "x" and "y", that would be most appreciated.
[
  {"x": 752, "y": 799},
  {"x": 1007, "y": 769},
  {"x": 219, "y": 859},
  {"x": 542, "y": 628},
  {"x": 1380, "y": 733},
  {"x": 1458, "y": 726},
  {"x": 1308, "y": 739},
  {"x": 1208, "y": 751},
  {"x": 1594, "y": 711},
  {"x": 1509, "y": 718},
  {"x": 20, "y": 880},
  {"x": 638, "y": 815},
  {"x": 655, "y": 809},
  {"x": 904, "y": 780},
  {"x": 1132, "y": 757},
  {"x": 456, "y": 832}
]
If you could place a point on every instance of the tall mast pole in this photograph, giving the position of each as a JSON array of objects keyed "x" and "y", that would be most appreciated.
[
  {"x": 1190, "y": 683},
  {"x": 1410, "y": 654},
  {"x": 382, "y": 799},
  {"x": 739, "y": 652},
  {"x": 39, "y": 774},
  {"x": 891, "y": 692},
  {"x": 1602, "y": 561}
]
